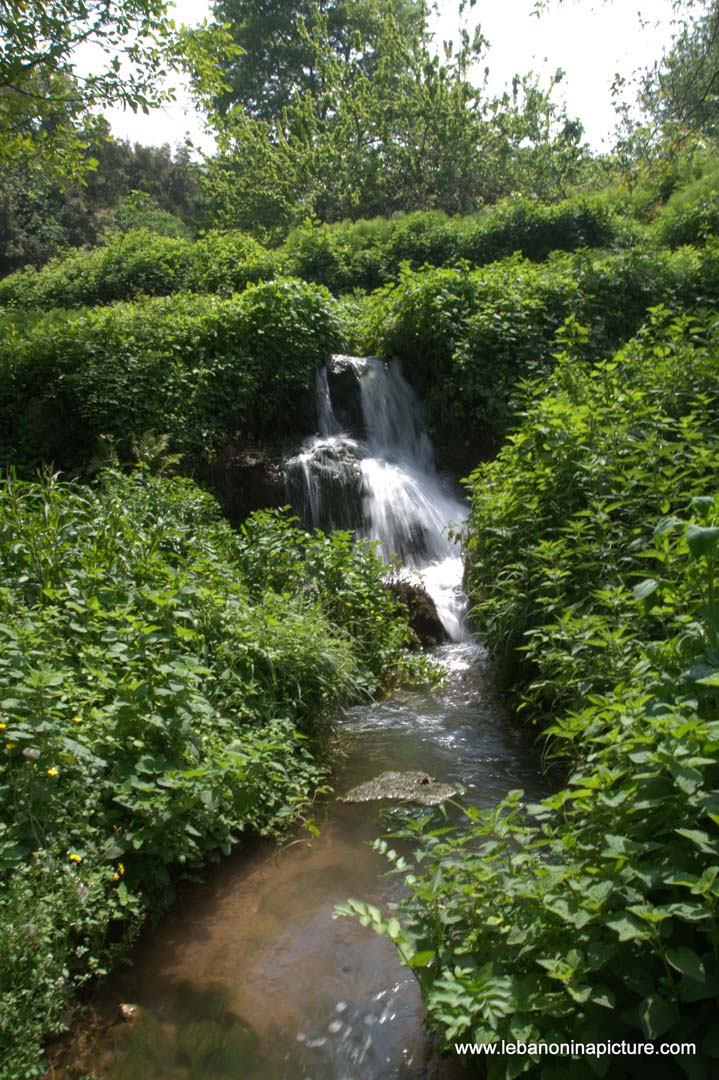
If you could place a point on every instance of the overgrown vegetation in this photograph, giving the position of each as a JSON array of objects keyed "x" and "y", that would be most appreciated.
[
  {"x": 347, "y": 256},
  {"x": 165, "y": 687},
  {"x": 466, "y": 339},
  {"x": 81, "y": 385},
  {"x": 592, "y": 557},
  {"x": 166, "y": 683}
]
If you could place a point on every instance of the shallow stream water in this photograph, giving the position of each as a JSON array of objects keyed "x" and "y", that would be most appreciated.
[{"x": 250, "y": 977}]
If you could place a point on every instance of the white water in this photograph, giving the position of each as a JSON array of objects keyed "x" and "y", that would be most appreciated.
[{"x": 386, "y": 485}]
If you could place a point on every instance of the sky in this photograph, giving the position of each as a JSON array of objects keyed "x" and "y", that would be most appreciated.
[{"x": 590, "y": 39}]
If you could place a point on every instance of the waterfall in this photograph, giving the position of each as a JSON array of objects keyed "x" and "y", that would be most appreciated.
[{"x": 382, "y": 484}]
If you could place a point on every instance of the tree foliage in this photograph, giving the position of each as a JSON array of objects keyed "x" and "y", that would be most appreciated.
[
  {"x": 47, "y": 103},
  {"x": 277, "y": 62},
  {"x": 387, "y": 126}
]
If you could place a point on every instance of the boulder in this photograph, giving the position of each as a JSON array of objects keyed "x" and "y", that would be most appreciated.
[
  {"x": 324, "y": 484},
  {"x": 345, "y": 393},
  {"x": 245, "y": 479},
  {"x": 423, "y": 617},
  {"x": 410, "y": 786}
]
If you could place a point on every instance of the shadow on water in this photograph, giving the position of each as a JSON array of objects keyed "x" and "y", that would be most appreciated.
[{"x": 250, "y": 977}]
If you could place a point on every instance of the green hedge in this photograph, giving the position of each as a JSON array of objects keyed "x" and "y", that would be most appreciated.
[
  {"x": 141, "y": 263},
  {"x": 691, "y": 214},
  {"x": 367, "y": 254},
  {"x": 363, "y": 254},
  {"x": 593, "y": 550},
  {"x": 196, "y": 369},
  {"x": 466, "y": 339},
  {"x": 165, "y": 686}
]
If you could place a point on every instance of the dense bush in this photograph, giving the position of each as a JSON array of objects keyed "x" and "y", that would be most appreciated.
[
  {"x": 141, "y": 263},
  {"x": 599, "y": 454},
  {"x": 466, "y": 338},
  {"x": 366, "y": 254},
  {"x": 691, "y": 214},
  {"x": 593, "y": 549},
  {"x": 362, "y": 254},
  {"x": 165, "y": 684},
  {"x": 193, "y": 368}
]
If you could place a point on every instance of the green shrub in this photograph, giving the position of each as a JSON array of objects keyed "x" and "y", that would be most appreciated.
[
  {"x": 691, "y": 214},
  {"x": 367, "y": 254},
  {"x": 194, "y": 368},
  {"x": 599, "y": 454},
  {"x": 138, "y": 263},
  {"x": 466, "y": 338},
  {"x": 165, "y": 687}
]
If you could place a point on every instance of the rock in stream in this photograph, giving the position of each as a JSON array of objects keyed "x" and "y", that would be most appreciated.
[{"x": 411, "y": 786}]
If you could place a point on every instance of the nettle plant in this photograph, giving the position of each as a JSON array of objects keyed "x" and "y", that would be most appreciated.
[{"x": 592, "y": 916}]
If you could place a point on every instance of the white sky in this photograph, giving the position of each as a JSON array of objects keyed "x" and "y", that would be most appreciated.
[{"x": 590, "y": 39}]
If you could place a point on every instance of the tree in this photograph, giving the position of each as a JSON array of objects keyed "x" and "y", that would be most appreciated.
[
  {"x": 276, "y": 62},
  {"x": 389, "y": 127},
  {"x": 46, "y": 105},
  {"x": 681, "y": 91}
]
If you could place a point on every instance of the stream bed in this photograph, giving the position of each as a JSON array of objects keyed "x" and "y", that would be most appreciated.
[{"x": 250, "y": 978}]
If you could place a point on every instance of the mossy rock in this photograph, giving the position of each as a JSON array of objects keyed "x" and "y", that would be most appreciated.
[{"x": 410, "y": 786}]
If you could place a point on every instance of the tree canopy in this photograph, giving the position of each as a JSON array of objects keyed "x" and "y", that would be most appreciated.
[
  {"x": 349, "y": 126},
  {"x": 49, "y": 106}
]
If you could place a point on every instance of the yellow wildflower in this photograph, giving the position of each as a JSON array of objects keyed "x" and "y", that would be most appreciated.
[
  {"x": 52, "y": 772},
  {"x": 74, "y": 857},
  {"x": 2, "y": 727},
  {"x": 10, "y": 745},
  {"x": 120, "y": 869},
  {"x": 77, "y": 719},
  {"x": 115, "y": 877}
]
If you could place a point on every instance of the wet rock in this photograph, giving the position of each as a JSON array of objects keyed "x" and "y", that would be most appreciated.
[
  {"x": 324, "y": 484},
  {"x": 411, "y": 786},
  {"x": 423, "y": 617},
  {"x": 345, "y": 394},
  {"x": 246, "y": 479}
]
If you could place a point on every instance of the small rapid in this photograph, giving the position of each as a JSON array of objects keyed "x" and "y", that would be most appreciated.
[{"x": 380, "y": 480}]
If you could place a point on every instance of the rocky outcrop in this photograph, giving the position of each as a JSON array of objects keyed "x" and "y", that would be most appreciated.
[
  {"x": 410, "y": 786},
  {"x": 246, "y": 479},
  {"x": 423, "y": 617},
  {"x": 344, "y": 389},
  {"x": 324, "y": 485}
]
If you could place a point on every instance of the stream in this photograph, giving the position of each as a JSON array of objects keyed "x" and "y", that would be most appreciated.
[{"x": 249, "y": 977}]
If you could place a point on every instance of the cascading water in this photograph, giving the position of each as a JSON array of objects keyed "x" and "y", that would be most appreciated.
[{"x": 383, "y": 485}]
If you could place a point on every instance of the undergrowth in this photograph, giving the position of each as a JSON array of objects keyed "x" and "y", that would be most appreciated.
[
  {"x": 166, "y": 686},
  {"x": 593, "y": 549}
]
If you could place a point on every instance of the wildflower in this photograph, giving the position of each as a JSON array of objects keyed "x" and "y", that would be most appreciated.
[
  {"x": 74, "y": 857},
  {"x": 120, "y": 869},
  {"x": 52, "y": 772},
  {"x": 2, "y": 727},
  {"x": 115, "y": 877},
  {"x": 77, "y": 719},
  {"x": 10, "y": 745}
]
